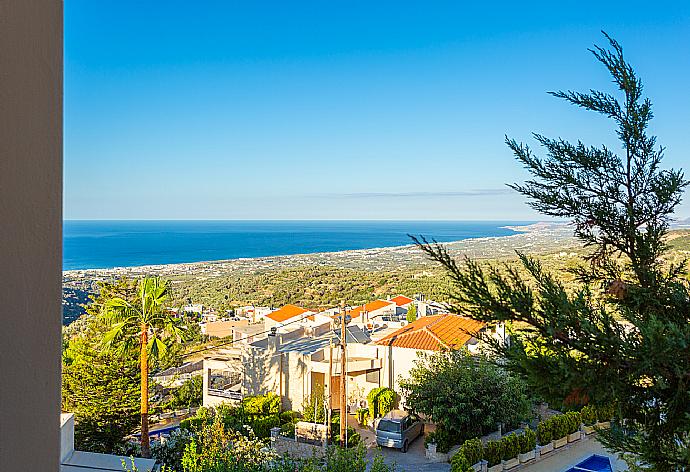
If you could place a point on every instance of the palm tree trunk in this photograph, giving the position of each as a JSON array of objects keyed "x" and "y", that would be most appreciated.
[{"x": 144, "y": 369}]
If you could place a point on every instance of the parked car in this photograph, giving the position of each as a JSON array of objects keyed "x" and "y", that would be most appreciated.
[{"x": 398, "y": 429}]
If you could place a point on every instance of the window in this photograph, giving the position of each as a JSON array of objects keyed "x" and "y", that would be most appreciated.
[{"x": 373, "y": 376}]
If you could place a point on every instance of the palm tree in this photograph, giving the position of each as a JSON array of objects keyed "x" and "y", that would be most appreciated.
[{"x": 143, "y": 324}]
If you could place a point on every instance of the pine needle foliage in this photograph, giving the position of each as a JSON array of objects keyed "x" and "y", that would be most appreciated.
[{"x": 623, "y": 335}]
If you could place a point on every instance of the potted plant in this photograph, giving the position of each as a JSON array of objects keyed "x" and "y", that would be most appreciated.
[
  {"x": 510, "y": 451},
  {"x": 493, "y": 451},
  {"x": 528, "y": 443},
  {"x": 459, "y": 463},
  {"x": 560, "y": 431},
  {"x": 589, "y": 417},
  {"x": 604, "y": 415},
  {"x": 545, "y": 436},
  {"x": 574, "y": 420},
  {"x": 430, "y": 443},
  {"x": 473, "y": 450}
]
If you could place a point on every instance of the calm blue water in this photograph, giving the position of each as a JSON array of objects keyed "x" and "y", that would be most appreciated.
[{"x": 105, "y": 244}]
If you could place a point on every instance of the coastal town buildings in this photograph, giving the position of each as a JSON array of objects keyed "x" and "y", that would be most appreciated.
[{"x": 298, "y": 352}]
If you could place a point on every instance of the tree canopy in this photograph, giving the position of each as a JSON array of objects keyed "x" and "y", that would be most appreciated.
[
  {"x": 465, "y": 395},
  {"x": 624, "y": 335},
  {"x": 101, "y": 389}
]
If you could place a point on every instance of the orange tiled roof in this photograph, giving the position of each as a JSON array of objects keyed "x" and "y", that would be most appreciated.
[
  {"x": 431, "y": 333},
  {"x": 371, "y": 306},
  {"x": 401, "y": 300},
  {"x": 286, "y": 312}
]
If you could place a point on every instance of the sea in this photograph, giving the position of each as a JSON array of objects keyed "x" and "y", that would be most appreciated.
[{"x": 101, "y": 244}]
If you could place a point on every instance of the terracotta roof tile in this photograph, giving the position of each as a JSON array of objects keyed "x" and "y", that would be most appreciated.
[
  {"x": 401, "y": 300},
  {"x": 286, "y": 312},
  {"x": 431, "y": 333},
  {"x": 372, "y": 306}
]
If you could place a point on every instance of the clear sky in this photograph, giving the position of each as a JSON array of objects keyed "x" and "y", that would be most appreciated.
[{"x": 342, "y": 110}]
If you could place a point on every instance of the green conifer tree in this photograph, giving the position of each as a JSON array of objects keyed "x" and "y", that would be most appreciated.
[{"x": 624, "y": 335}]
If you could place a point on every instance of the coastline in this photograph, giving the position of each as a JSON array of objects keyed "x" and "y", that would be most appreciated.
[{"x": 540, "y": 236}]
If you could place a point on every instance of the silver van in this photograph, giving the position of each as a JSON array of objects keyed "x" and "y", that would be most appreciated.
[{"x": 398, "y": 429}]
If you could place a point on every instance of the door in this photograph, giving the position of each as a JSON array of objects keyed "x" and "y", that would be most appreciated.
[{"x": 334, "y": 391}]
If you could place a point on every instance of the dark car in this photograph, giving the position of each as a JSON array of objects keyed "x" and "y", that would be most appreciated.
[{"x": 398, "y": 429}]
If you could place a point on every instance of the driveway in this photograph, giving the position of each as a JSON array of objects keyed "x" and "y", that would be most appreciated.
[{"x": 414, "y": 459}]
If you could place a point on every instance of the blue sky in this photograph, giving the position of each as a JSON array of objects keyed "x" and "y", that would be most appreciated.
[{"x": 342, "y": 110}]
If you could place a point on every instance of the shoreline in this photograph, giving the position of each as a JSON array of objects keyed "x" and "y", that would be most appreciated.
[{"x": 545, "y": 234}]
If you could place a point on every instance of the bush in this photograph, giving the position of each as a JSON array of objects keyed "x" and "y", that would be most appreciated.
[
  {"x": 381, "y": 400},
  {"x": 287, "y": 430},
  {"x": 493, "y": 452},
  {"x": 262, "y": 426},
  {"x": 353, "y": 437},
  {"x": 314, "y": 407},
  {"x": 441, "y": 437},
  {"x": 574, "y": 420},
  {"x": 589, "y": 415},
  {"x": 545, "y": 432},
  {"x": 440, "y": 382},
  {"x": 473, "y": 450},
  {"x": 362, "y": 416},
  {"x": 510, "y": 446},
  {"x": 559, "y": 426},
  {"x": 605, "y": 412},
  {"x": 289, "y": 416},
  {"x": 268, "y": 404},
  {"x": 460, "y": 463},
  {"x": 527, "y": 441}
]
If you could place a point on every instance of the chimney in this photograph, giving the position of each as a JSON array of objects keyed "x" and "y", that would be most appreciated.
[{"x": 273, "y": 340}]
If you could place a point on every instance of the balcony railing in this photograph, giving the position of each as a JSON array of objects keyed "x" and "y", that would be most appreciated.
[{"x": 231, "y": 394}]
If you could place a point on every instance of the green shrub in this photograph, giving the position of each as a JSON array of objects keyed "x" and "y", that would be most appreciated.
[
  {"x": 288, "y": 416},
  {"x": 459, "y": 463},
  {"x": 545, "y": 432},
  {"x": 589, "y": 415},
  {"x": 287, "y": 430},
  {"x": 605, "y": 412},
  {"x": 560, "y": 426},
  {"x": 510, "y": 446},
  {"x": 574, "y": 420},
  {"x": 527, "y": 441},
  {"x": 493, "y": 452},
  {"x": 314, "y": 407},
  {"x": 362, "y": 415},
  {"x": 473, "y": 450},
  {"x": 262, "y": 426},
  {"x": 193, "y": 424},
  {"x": 268, "y": 404},
  {"x": 381, "y": 400},
  {"x": 441, "y": 437}
]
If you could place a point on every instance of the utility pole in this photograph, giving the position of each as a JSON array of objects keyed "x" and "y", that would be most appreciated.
[
  {"x": 329, "y": 398},
  {"x": 343, "y": 388}
]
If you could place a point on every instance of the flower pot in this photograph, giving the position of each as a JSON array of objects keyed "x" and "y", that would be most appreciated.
[
  {"x": 510, "y": 463},
  {"x": 588, "y": 429},
  {"x": 495, "y": 468},
  {"x": 574, "y": 436},
  {"x": 546, "y": 448},
  {"x": 603, "y": 425},
  {"x": 477, "y": 467},
  {"x": 527, "y": 456},
  {"x": 557, "y": 443}
]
